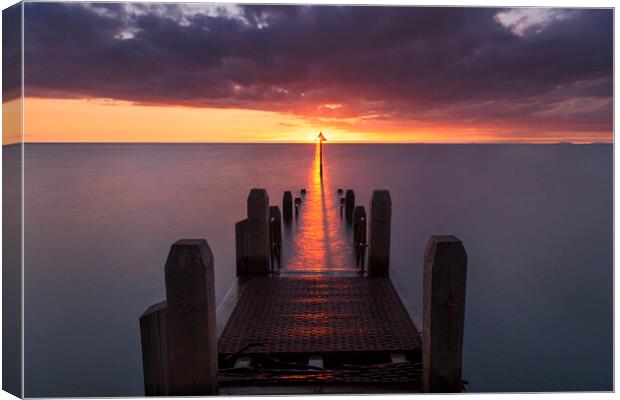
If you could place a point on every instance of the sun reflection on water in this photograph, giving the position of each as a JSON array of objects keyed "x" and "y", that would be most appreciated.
[{"x": 319, "y": 241}]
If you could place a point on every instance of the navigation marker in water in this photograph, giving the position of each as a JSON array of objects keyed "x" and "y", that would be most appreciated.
[{"x": 321, "y": 139}]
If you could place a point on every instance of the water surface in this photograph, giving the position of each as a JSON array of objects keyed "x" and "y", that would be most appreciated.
[{"x": 536, "y": 222}]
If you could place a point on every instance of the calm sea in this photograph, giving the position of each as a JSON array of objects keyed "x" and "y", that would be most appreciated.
[{"x": 536, "y": 221}]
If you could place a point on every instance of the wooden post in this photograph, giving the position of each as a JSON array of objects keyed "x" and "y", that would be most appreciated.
[
  {"x": 275, "y": 236},
  {"x": 154, "y": 340},
  {"x": 258, "y": 232},
  {"x": 349, "y": 204},
  {"x": 192, "y": 341},
  {"x": 358, "y": 213},
  {"x": 380, "y": 231},
  {"x": 274, "y": 212},
  {"x": 445, "y": 275},
  {"x": 241, "y": 247},
  {"x": 287, "y": 206}
]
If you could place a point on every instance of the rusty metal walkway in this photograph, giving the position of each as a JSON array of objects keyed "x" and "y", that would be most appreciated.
[
  {"x": 318, "y": 320},
  {"x": 319, "y": 315},
  {"x": 356, "y": 326}
]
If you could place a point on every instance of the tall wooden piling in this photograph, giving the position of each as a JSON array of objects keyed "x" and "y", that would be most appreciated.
[
  {"x": 445, "y": 275},
  {"x": 258, "y": 232},
  {"x": 358, "y": 213},
  {"x": 287, "y": 206},
  {"x": 274, "y": 213},
  {"x": 154, "y": 340},
  {"x": 241, "y": 247},
  {"x": 192, "y": 341},
  {"x": 380, "y": 231},
  {"x": 349, "y": 205},
  {"x": 275, "y": 235}
]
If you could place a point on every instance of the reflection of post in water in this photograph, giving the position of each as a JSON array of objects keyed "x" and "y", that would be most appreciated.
[{"x": 321, "y": 139}]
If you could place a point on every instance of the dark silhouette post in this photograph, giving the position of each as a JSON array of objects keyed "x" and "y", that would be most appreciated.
[
  {"x": 241, "y": 247},
  {"x": 275, "y": 236},
  {"x": 380, "y": 231},
  {"x": 358, "y": 213},
  {"x": 154, "y": 340},
  {"x": 445, "y": 275},
  {"x": 321, "y": 139},
  {"x": 321, "y": 158},
  {"x": 359, "y": 235},
  {"x": 192, "y": 341},
  {"x": 287, "y": 206},
  {"x": 258, "y": 232},
  {"x": 349, "y": 205}
]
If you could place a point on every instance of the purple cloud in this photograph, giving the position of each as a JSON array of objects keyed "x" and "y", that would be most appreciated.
[{"x": 550, "y": 68}]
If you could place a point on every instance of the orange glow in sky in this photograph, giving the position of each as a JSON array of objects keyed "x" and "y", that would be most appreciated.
[{"x": 104, "y": 120}]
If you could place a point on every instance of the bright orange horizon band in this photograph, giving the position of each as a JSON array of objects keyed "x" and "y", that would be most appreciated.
[{"x": 103, "y": 120}]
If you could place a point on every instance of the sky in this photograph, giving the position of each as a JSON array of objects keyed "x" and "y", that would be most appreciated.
[{"x": 226, "y": 73}]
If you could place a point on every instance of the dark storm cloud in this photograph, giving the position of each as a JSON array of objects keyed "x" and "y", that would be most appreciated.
[
  {"x": 11, "y": 52},
  {"x": 410, "y": 64}
]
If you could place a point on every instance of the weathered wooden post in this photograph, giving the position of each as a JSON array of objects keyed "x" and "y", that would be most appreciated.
[
  {"x": 349, "y": 204},
  {"x": 380, "y": 230},
  {"x": 287, "y": 206},
  {"x": 358, "y": 213},
  {"x": 154, "y": 340},
  {"x": 275, "y": 235},
  {"x": 241, "y": 247},
  {"x": 190, "y": 297},
  {"x": 258, "y": 232},
  {"x": 274, "y": 213},
  {"x": 445, "y": 275}
]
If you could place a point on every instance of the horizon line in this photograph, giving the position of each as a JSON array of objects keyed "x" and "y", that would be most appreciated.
[{"x": 314, "y": 142}]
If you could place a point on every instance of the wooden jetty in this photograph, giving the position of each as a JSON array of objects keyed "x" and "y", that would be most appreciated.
[{"x": 294, "y": 333}]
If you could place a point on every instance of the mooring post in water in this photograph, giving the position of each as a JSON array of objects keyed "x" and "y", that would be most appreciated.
[
  {"x": 349, "y": 205},
  {"x": 321, "y": 157},
  {"x": 380, "y": 231},
  {"x": 241, "y": 247},
  {"x": 274, "y": 213},
  {"x": 154, "y": 340},
  {"x": 190, "y": 297},
  {"x": 287, "y": 206},
  {"x": 275, "y": 236},
  {"x": 359, "y": 236},
  {"x": 358, "y": 213},
  {"x": 258, "y": 232},
  {"x": 445, "y": 274}
]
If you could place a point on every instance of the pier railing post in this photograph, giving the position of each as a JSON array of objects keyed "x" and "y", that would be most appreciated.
[
  {"x": 241, "y": 247},
  {"x": 190, "y": 297},
  {"x": 287, "y": 206},
  {"x": 258, "y": 232},
  {"x": 380, "y": 231},
  {"x": 349, "y": 205},
  {"x": 154, "y": 340},
  {"x": 275, "y": 235},
  {"x": 445, "y": 273},
  {"x": 358, "y": 213}
]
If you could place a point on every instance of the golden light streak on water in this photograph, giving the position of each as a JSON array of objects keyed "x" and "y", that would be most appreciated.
[{"x": 319, "y": 243}]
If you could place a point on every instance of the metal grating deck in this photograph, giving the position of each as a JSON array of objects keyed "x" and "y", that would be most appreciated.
[{"x": 318, "y": 315}]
